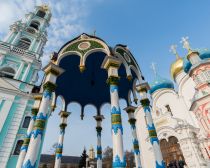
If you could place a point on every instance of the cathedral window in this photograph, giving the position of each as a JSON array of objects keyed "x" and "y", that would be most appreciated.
[
  {"x": 41, "y": 14},
  {"x": 18, "y": 147},
  {"x": 168, "y": 108},
  {"x": 35, "y": 25},
  {"x": 26, "y": 122},
  {"x": 7, "y": 72},
  {"x": 24, "y": 43}
]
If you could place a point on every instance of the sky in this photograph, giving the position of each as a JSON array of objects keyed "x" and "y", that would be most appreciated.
[{"x": 147, "y": 27}]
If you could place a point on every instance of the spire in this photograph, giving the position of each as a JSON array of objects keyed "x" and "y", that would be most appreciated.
[{"x": 174, "y": 51}]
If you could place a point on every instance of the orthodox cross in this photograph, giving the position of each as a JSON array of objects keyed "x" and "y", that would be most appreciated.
[
  {"x": 153, "y": 67},
  {"x": 94, "y": 33},
  {"x": 186, "y": 43},
  {"x": 174, "y": 51}
]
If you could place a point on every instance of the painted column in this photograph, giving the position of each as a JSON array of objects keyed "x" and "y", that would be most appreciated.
[
  {"x": 112, "y": 64},
  {"x": 26, "y": 72},
  {"x": 24, "y": 147},
  {"x": 16, "y": 37},
  {"x": 31, "y": 158},
  {"x": 130, "y": 110},
  {"x": 99, "y": 119},
  {"x": 17, "y": 75},
  {"x": 32, "y": 44},
  {"x": 142, "y": 89},
  {"x": 59, "y": 148}
]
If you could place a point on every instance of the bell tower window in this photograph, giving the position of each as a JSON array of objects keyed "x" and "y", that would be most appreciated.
[
  {"x": 24, "y": 43},
  {"x": 35, "y": 25},
  {"x": 41, "y": 14},
  {"x": 7, "y": 72},
  {"x": 26, "y": 122},
  {"x": 18, "y": 147}
]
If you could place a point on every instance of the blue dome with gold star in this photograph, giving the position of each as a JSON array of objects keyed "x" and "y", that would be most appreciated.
[{"x": 160, "y": 83}]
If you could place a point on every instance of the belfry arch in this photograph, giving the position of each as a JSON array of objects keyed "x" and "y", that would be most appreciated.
[{"x": 88, "y": 71}]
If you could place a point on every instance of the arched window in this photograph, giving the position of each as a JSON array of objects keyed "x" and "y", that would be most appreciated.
[
  {"x": 24, "y": 43},
  {"x": 35, "y": 25},
  {"x": 18, "y": 147},
  {"x": 41, "y": 14},
  {"x": 7, "y": 72},
  {"x": 26, "y": 121}
]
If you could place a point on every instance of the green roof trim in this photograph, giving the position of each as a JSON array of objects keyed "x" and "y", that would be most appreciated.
[
  {"x": 74, "y": 46},
  {"x": 122, "y": 52}
]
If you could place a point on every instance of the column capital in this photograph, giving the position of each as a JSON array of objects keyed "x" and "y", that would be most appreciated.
[
  {"x": 130, "y": 109},
  {"x": 110, "y": 61},
  {"x": 64, "y": 114},
  {"x": 143, "y": 87},
  {"x": 53, "y": 69},
  {"x": 99, "y": 117}
]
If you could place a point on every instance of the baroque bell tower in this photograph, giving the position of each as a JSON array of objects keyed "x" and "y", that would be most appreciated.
[{"x": 20, "y": 54}]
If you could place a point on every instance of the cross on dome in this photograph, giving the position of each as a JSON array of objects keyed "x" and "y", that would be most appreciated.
[
  {"x": 185, "y": 43},
  {"x": 153, "y": 67},
  {"x": 174, "y": 51}
]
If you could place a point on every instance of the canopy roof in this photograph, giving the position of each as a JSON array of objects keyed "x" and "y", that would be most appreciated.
[{"x": 84, "y": 81}]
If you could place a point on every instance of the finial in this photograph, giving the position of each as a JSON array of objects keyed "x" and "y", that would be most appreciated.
[
  {"x": 174, "y": 51},
  {"x": 186, "y": 43},
  {"x": 94, "y": 33},
  {"x": 153, "y": 67}
]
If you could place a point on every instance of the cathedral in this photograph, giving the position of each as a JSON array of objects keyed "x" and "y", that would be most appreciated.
[
  {"x": 180, "y": 111},
  {"x": 182, "y": 115}
]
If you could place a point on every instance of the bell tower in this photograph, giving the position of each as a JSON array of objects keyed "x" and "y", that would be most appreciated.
[
  {"x": 22, "y": 48},
  {"x": 20, "y": 54}
]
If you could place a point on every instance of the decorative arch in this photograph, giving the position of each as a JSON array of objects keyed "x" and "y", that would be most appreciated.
[
  {"x": 24, "y": 43},
  {"x": 35, "y": 24},
  {"x": 7, "y": 72},
  {"x": 83, "y": 46}
]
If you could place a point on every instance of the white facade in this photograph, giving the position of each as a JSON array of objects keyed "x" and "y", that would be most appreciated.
[{"x": 173, "y": 118}]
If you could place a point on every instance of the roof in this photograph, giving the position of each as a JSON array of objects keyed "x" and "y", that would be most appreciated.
[{"x": 45, "y": 158}]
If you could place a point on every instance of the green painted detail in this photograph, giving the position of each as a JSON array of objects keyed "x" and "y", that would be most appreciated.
[
  {"x": 99, "y": 152},
  {"x": 8, "y": 120},
  {"x": 116, "y": 119},
  {"x": 59, "y": 150},
  {"x": 113, "y": 80},
  {"x": 132, "y": 121},
  {"x": 99, "y": 129},
  {"x": 136, "y": 146},
  {"x": 152, "y": 134},
  {"x": 1, "y": 105},
  {"x": 145, "y": 102},
  {"x": 39, "y": 124},
  {"x": 122, "y": 53},
  {"x": 74, "y": 46},
  {"x": 49, "y": 86}
]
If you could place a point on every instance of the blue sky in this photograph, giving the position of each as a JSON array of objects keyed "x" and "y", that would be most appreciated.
[{"x": 148, "y": 27}]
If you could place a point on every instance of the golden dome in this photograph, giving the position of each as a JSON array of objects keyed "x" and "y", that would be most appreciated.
[{"x": 176, "y": 67}]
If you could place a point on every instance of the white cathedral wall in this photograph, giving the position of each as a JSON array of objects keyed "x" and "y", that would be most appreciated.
[
  {"x": 186, "y": 88},
  {"x": 146, "y": 151},
  {"x": 164, "y": 97}
]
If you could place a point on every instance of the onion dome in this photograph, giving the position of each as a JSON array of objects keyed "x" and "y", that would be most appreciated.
[
  {"x": 186, "y": 65},
  {"x": 205, "y": 54},
  {"x": 176, "y": 67},
  {"x": 160, "y": 83}
]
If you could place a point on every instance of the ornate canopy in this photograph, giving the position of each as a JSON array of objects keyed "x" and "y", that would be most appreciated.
[{"x": 84, "y": 80}]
